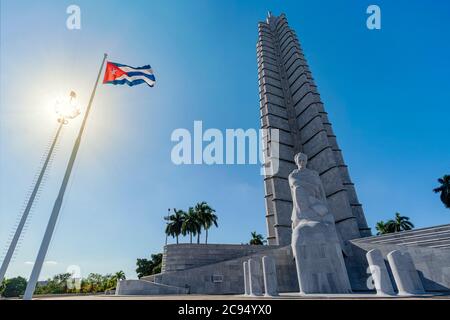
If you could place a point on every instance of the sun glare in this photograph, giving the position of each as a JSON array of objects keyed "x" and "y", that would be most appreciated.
[{"x": 67, "y": 107}]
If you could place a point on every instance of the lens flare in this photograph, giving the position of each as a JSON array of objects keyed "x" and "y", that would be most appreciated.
[{"x": 67, "y": 107}]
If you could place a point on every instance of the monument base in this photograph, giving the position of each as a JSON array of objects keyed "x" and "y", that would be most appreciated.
[
  {"x": 319, "y": 261},
  {"x": 429, "y": 249}
]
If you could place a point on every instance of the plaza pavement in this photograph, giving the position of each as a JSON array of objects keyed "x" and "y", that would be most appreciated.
[{"x": 285, "y": 296}]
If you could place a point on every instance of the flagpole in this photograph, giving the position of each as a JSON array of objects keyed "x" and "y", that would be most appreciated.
[
  {"x": 31, "y": 286},
  {"x": 26, "y": 212}
]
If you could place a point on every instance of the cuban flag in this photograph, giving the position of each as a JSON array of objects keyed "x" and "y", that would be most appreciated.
[{"x": 117, "y": 73}]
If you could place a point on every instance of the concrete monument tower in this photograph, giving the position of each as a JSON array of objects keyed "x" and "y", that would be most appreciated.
[
  {"x": 323, "y": 249},
  {"x": 290, "y": 102}
]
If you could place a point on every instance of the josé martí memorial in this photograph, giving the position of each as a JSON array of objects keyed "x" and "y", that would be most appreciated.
[{"x": 318, "y": 238}]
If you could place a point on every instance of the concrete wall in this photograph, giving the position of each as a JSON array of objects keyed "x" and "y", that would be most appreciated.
[
  {"x": 139, "y": 287},
  {"x": 177, "y": 257},
  {"x": 227, "y": 277}
]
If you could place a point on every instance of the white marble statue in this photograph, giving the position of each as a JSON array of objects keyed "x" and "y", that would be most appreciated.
[
  {"x": 308, "y": 197},
  {"x": 315, "y": 243}
]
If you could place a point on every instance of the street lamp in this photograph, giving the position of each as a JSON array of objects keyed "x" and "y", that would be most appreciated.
[
  {"x": 66, "y": 108},
  {"x": 31, "y": 285},
  {"x": 167, "y": 219}
]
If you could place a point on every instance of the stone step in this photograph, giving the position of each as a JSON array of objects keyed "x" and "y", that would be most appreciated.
[
  {"x": 412, "y": 238},
  {"x": 433, "y": 237},
  {"x": 437, "y": 229},
  {"x": 441, "y": 246},
  {"x": 429, "y": 243},
  {"x": 414, "y": 241}
]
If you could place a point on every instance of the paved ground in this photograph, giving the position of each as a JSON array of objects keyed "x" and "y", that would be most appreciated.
[{"x": 289, "y": 296}]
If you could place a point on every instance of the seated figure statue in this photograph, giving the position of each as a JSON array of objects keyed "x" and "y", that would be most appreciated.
[{"x": 315, "y": 243}]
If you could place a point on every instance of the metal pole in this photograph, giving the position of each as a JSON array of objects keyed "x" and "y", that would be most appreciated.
[
  {"x": 26, "y": 212},
  {"x": 168, "y": 215},
  {"x": 59, "y": 200}
]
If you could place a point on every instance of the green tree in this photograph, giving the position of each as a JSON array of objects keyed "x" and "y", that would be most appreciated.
[
  {"x": 206, "y": 217},
  {"x": 381, "y": 227},
  {"x": 157, "y": 262},
  {"x": 399, "y": 223},
  {"x": 444, "y": 189},
  {"x": 14, "y": 287},
  {"x": 191, "y": 224},
  {"x": 147, "y": 267},
  {"x": 257, "y": 239},
  {"x": 55, "y": 285},
  {"x": 144, "y": 267},
  {"x": 2, "y": 286},
  {"x": 85, "y": 286},
  {"x": 157, "y": 269},
  {"x": 109, "y": 282},
  {"x": 120, "y": 275},
  {"x": 60, "y": 281},
  {"x": 96, "y": 282},
  {"x": 175, "y": 223}
]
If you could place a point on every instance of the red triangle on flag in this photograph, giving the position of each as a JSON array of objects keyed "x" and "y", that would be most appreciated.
[{"x": 112, "y": 72}]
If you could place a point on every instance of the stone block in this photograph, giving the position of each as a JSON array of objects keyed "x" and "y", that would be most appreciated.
[
  {"x": 405, "y": 274},
  {"x": 270, "y": 276},
  {"x": 379, "y": 272},
  {"x": 254, "y": 267},
  {"x": 246, "y": 279}
]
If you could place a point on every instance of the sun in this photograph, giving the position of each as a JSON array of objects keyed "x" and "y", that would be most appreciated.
[{"x": 66, "y": 107}]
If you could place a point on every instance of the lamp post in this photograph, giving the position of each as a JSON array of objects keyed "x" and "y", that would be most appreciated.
[
  {"x": 59, "y": 200},
  {"x": 66, "y": 109},
  {"x": 167, "y": 219}
]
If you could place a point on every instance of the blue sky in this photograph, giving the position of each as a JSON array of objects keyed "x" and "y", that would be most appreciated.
[{"x": 387, "y": 93}]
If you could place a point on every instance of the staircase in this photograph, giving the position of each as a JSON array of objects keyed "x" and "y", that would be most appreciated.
[{"x": 437, "y": 237}]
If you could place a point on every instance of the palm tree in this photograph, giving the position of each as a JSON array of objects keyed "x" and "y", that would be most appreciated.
[
  {"x": 399, "y": 223},
  {"x": 381, "y": 227},
  {"x": 444, "y": 189},
  {"x": 174, "y": 226},
  {"x": 191, "y": 224},
  {"x": 120, "y": 275},
  {"x": 257, "y": 239},
  {"x": 206, "y": 216}
]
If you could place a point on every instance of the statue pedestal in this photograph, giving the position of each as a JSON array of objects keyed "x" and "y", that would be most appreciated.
[{"x": 319, "y": 261}]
